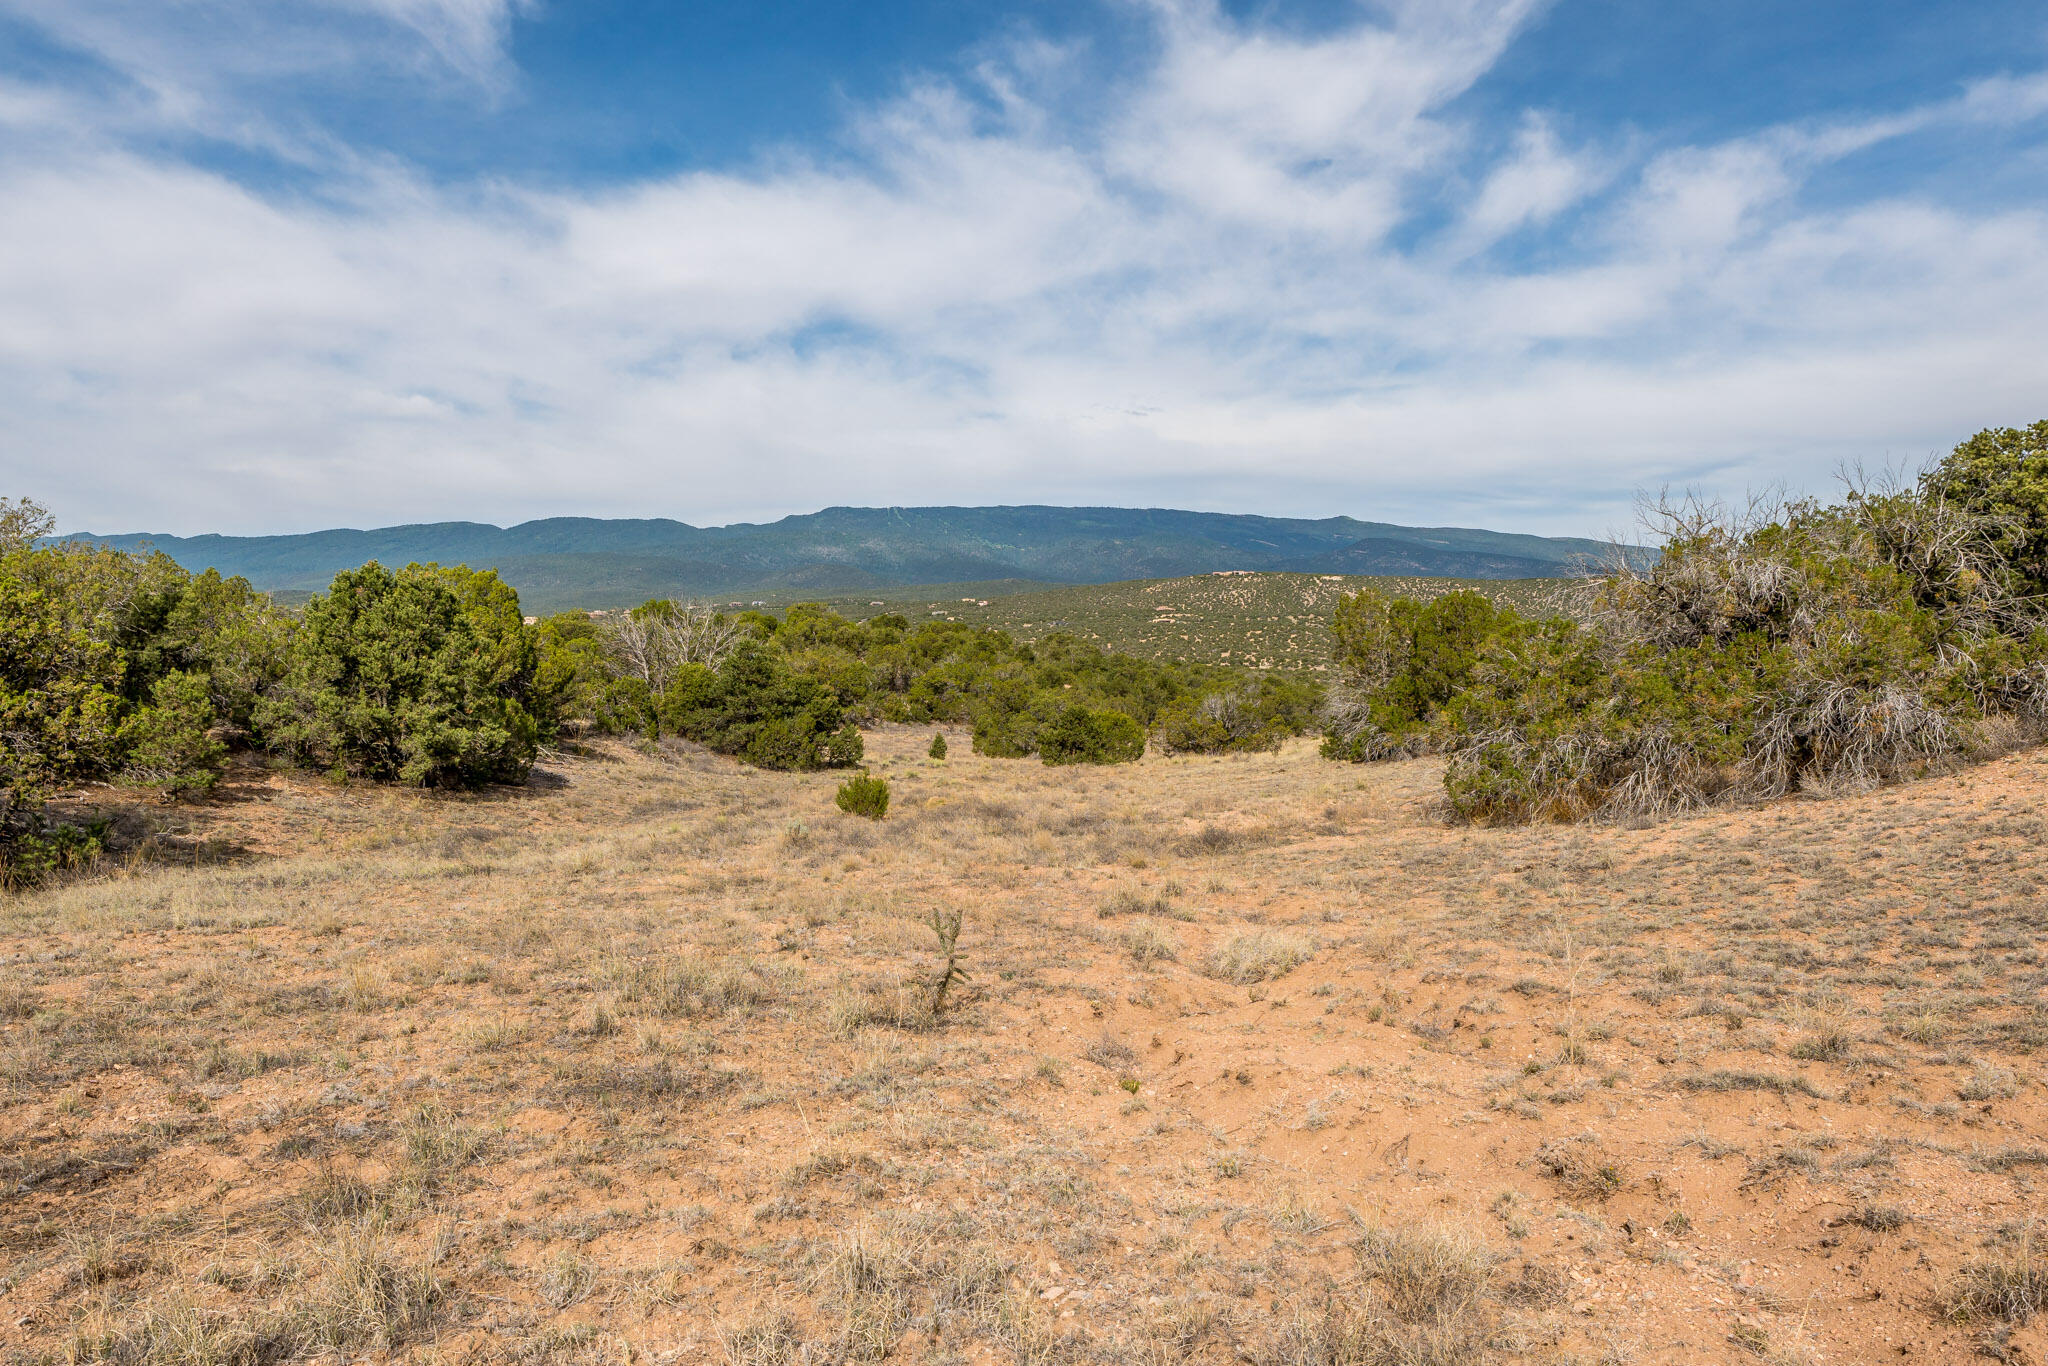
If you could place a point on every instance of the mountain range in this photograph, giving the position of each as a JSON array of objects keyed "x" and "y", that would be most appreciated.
[{"x": 564, "y": 562}]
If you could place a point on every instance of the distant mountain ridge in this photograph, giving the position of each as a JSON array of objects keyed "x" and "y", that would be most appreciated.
[{"x": 562, "y": 562}]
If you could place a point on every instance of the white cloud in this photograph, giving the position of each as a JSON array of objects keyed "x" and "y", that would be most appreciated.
[
  {"x": 1217, "y": 295},
  {"x": 207, "y": 66},
  {"x": 1534, "y": 185}
]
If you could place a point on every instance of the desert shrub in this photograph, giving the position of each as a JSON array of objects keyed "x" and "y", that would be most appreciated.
[
  {"x": 2001, "y": 475},
  {"x": 169, "y": 744},
  {"x": 1804, "y": 647},
  {"x": 113, "y": 665},
  {"x": 425, "y": 676},
  {"x": 844, "y": 747},
  {"x": 757, "y": 707},
  {"x": 59, "y": 704},
  {"x": 576, "y": 676},
  {"x": 1219, "y": 723},
  {"x": 864, "y": 795},
  {"x": 1081, "y": 736},
  {"x": 222, "y": 632},
  {"x": 1010, "y": 715},
  {"x": 1396, "y": 665},
  {"x": 37, "y": 848}
]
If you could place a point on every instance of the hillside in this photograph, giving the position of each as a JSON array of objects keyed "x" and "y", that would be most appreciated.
[
  {"x": 1267, "y": 621},
  {"x": 568, "y": 562}
]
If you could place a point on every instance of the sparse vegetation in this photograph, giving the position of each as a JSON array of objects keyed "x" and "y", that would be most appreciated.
[{"x": 1253, "y": 1051}]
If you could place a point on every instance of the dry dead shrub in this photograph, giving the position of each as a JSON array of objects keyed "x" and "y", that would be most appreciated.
[
  {"x": 1581, "y": 1169},
  {"x": 440, "y": 1144},
  {"x": 969, "y": 1283},
  {"x": 18, "y": 1000},
  {"x": 1879, "y": 1218},
  {"x": 655, "y": 1083},
  {"x": 1111, "y": 1052},
  {"x": 1342, "y": 1330},
  {"x": 680, "y": 987},
  {"x": 336, "y": 1194},
  {"x": 1130, "y": 901},
  {"x": 1830, "y": 735},
  {"x": 180, "y": 1333},
  {"x": 1211, "y": 839},
  {"x": 1824, "y": 1043},
  {"x": 1774, "y": 648}
]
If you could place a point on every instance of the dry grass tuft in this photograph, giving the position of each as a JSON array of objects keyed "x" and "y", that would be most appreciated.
[
  {"x": 363, "y": 1295},
  {"x": 903, "y": 1007},
  {"x": 772, "y": 1340},
  {"x": 1426, "y": 1271},
  {"x": 1257, "y": 956},
  {"x": 2012, "y": 1287},
  {"x": 1148, "y": 944}
]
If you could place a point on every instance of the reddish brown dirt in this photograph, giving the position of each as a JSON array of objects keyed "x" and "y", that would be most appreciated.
[{"x": 639, "y": 1062}]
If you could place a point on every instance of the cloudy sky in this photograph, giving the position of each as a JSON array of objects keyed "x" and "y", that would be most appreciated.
[{"x": 273, "y": 266}]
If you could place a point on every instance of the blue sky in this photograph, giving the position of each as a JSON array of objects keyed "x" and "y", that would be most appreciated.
[{"x": 351, "y": 262}]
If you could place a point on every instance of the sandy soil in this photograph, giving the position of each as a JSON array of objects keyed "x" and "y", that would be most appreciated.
[{"x": 1256, "y": 1060}]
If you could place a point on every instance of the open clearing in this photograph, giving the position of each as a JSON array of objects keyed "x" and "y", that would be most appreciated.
[{"x": 1257, "y": 1061}]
